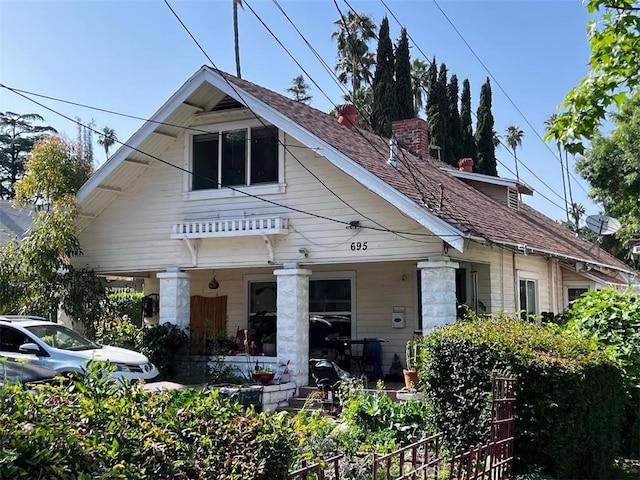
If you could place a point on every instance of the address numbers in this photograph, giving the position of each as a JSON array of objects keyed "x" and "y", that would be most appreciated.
[{"x": 356, "y": 246}]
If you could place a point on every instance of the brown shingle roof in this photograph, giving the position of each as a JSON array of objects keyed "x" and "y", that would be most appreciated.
[{"x": 424, "y": 182}]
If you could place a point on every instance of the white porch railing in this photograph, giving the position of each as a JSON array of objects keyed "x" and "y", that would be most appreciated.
[{"x": 231, "y": 227}]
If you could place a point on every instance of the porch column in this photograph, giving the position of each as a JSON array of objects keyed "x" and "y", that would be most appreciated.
[
  {"x": 438, "y": 292},
  {"x": 175, "y": 298},
  {"x": 293, "y": 321}
]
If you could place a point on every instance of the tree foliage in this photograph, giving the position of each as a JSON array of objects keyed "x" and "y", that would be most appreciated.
[
  {"x": 614, "y": 39},
  {"x": 355, "y": 61},
  {"x": 18, "y": 135},
  {"x": 454, "y": 150},
  {"x": 54, "y": 170},
  {"x": 404, "y": 87},
  {"x": 107, "y": 139},
  {"x": 485, "y": 134},
  {"x": 418, "y": 83},
  {"x": 299, "y": 90},
  {"x": 384, "y": 85},
  {"x": 469, "y": 149},
  {"x": 513, "y": 137},
  {"x": 612, "y": 168},
  {"x": 36, "y": 273}
]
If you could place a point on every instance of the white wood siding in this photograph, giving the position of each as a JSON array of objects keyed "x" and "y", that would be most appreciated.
[{"x": 133, "y": 233}]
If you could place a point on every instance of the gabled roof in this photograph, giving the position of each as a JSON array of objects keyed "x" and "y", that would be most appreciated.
[
  {"x": 14, "y": 222},
  {"x": 420, "y": 188}
]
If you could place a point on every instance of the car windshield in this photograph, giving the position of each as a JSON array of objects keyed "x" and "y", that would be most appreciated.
[{"x": 59, "y": 336}]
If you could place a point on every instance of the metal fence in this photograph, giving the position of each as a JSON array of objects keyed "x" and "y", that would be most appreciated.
[{"x": 423, "y": 459}]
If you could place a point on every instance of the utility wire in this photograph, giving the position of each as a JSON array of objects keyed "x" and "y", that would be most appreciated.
[
  {"x": 190, "y": 172},
  {"x": 500, "y": 87},
  {"x": 475, "y": 115}
]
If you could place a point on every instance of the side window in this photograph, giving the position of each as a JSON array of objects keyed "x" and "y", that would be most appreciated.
[
  {"x": 528, "y": 298},
  {"x": 11, "y": 339}
]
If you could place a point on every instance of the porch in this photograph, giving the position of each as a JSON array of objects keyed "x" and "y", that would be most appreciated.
[{"x": 292, "y": 314}]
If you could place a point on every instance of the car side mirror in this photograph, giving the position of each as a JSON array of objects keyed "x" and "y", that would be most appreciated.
[{"x": 30, "y": 348}]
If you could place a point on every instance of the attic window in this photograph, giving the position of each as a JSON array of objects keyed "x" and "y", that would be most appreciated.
[
  {"x": 227, "y": 103},
  {"x": 513, "y": 198},
  {"x": 245, "y": 156}
]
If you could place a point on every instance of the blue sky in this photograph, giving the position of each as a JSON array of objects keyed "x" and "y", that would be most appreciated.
[{"x": 131, "y": 56}]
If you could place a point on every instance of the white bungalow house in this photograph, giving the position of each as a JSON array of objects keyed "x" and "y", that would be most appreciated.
[{"x": 238, "y": 206}]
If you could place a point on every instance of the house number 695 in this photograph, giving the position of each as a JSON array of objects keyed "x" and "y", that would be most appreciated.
[{"x": 358, "y": 246}]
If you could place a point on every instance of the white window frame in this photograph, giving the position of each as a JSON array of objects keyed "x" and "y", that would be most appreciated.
[
  {"x": 333, "y": 275},
  {"x": 590, "y": 286},
  {"x": 260, "y": 189},
  {"x": 523, "y": 275}
]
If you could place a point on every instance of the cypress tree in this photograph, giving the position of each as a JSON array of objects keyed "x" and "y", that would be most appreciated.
[
  {"x": 440, "y": 133},
  {"x": 484, "y": 133},
  {"x": 384, "y": 88},
  {"x": 454, "y": 152},
  {"x": 432, "y": 108},
  {"x": 468, "y": 141},
  {"x": 404, "y": 90}
]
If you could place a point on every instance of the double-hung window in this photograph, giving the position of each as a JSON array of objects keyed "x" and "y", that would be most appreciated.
[
  {"x": 237, "y": 156},
  {"x": 528, "y": 289}
]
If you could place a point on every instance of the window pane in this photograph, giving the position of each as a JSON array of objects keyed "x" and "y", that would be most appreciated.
[
  {"x": 329, "y": 296},
  {"x": 264, "y": 155},
  {"x": 574, "y": 293},
  {"x": 329, "y": 311},
  {"x": 205, "y": 162},
  {"x": 262, "y": 318},
  {"x": 531, "y": 297},
  {"x": 234, "y": 146},
  {"x": 262, "y": 297}
]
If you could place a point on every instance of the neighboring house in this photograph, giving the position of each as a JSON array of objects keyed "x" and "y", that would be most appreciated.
[
  {"x": 14, "y": 222},
  {"x": 318, "y": 229}
]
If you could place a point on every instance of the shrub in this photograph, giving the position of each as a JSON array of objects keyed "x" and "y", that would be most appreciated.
[
  {"x": 613, "y": 320},
  {"x": 569, "y": 394},
  {"x": 120, "y": 333},
  {"x": 126, "y": 303},
  {"x": 162, "y": 344},
  {"x": 99, "y": 429}
]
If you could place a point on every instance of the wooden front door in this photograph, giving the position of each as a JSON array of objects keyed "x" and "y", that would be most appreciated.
[{"x": 207, "y": 319}]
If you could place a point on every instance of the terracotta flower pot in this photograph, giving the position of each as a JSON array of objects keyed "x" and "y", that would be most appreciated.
[{"x": 411, "y": 380}]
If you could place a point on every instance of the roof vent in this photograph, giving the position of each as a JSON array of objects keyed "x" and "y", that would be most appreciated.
[
  {"x": 513, "y": 198},
  {"x": 393, "y": 152}
]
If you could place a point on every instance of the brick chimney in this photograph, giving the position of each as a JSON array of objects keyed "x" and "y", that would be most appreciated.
[
  {"x": 412, "y": 134},
  {"x": 465, "y": 165},
  {"x": 347, "y": 114}
]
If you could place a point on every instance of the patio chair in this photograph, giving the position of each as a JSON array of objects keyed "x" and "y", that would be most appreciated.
[{"x": 328, "y": 376}]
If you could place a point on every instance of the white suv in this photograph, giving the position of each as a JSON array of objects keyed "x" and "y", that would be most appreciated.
[{"x": 64, "y": 350}]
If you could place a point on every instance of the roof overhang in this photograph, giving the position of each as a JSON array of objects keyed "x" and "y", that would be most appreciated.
[
  {"x": 479, "y": 177},
  {"x": 434, "y": 224}
]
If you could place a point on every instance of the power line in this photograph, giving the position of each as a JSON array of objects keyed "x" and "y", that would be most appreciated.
[{"x": 500, "y": 87}]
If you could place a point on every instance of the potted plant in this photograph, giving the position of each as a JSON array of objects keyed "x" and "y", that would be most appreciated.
[
  {"x": 413, "y": 353},
  {"x": 269, "y": 345},
  {"x": 263, "y": 374}
]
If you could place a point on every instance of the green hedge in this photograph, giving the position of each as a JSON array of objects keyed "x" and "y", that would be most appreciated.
[
  {"x": 98, "y": 430},
  {"x": 570, "y": 395}
]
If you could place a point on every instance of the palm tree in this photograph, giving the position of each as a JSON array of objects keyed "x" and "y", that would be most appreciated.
[
  {"x": 513, "y": 137},
  {"x": 419, "y": 83},
  {"x": 354, "y": 58},
  {"x": 577, "y": 210},
  {"x": 236, "y": 41},
  {"x": 548, "y": 124},
  {"x": 107, "y": 138}
]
